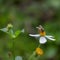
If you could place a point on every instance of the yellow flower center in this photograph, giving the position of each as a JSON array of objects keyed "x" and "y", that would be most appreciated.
[
  {"x": 42, "y": 33},
  {"x": 39, "y": 51}
]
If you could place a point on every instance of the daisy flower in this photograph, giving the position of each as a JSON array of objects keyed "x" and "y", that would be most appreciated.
[{"x": 42, "y": 35}]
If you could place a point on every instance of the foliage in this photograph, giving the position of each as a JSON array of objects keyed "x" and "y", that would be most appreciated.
[{"x": 28, "y": 14}]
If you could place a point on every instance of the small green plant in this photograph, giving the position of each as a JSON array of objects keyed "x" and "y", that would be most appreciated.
[{"x": 9, "y": 31}]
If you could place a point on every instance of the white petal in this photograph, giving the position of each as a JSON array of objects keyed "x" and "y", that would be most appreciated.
[
  {"x": 36, "y": 35},
  {"x": 22, "y": 30},
  {"x": 18, "y": 58},
  {"x": 50, "y": 38},
  {"x": 42, "y": 40}
]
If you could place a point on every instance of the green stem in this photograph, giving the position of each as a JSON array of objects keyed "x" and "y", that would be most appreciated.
[
  {"x": 13, "y": 50},
  {"x": 30, "y": 58},
  {"x": 39, "y": 45}
]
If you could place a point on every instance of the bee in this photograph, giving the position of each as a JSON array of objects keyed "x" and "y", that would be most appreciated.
[{"x": 41, "y": 30}]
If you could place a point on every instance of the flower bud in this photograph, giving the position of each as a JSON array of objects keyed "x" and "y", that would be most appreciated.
[{"x": 39, "y": 51}]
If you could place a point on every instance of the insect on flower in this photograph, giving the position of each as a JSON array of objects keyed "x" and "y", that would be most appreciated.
[{"x": 42, "y": 35}]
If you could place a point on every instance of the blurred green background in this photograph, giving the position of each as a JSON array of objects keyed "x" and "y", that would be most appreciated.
[{"x": 29, "y": 14}]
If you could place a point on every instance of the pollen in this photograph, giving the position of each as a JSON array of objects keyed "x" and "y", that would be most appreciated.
[
  {"x": 42, "y": 33},
  {"x": 39, "y": 51}
]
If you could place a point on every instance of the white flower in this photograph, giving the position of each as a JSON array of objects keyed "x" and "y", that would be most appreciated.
[
  {"x": 22, "y": 30},
  {"x": 18, "y": 58},
  {"x": 42, "y": 36},
  {"x": 42, "y": 39}
]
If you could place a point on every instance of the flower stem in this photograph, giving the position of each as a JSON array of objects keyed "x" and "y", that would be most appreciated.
[
  {"x": 13, "y": 50},
  {"x": 39, "y": 45},
  {"x": 33, "y": 54}
]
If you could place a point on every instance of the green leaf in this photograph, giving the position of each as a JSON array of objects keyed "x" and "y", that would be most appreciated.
[
  {"x": 4, "y": 29},
  {"x": 11, "y": 33},
  {"x": 17, "y": 33}
]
